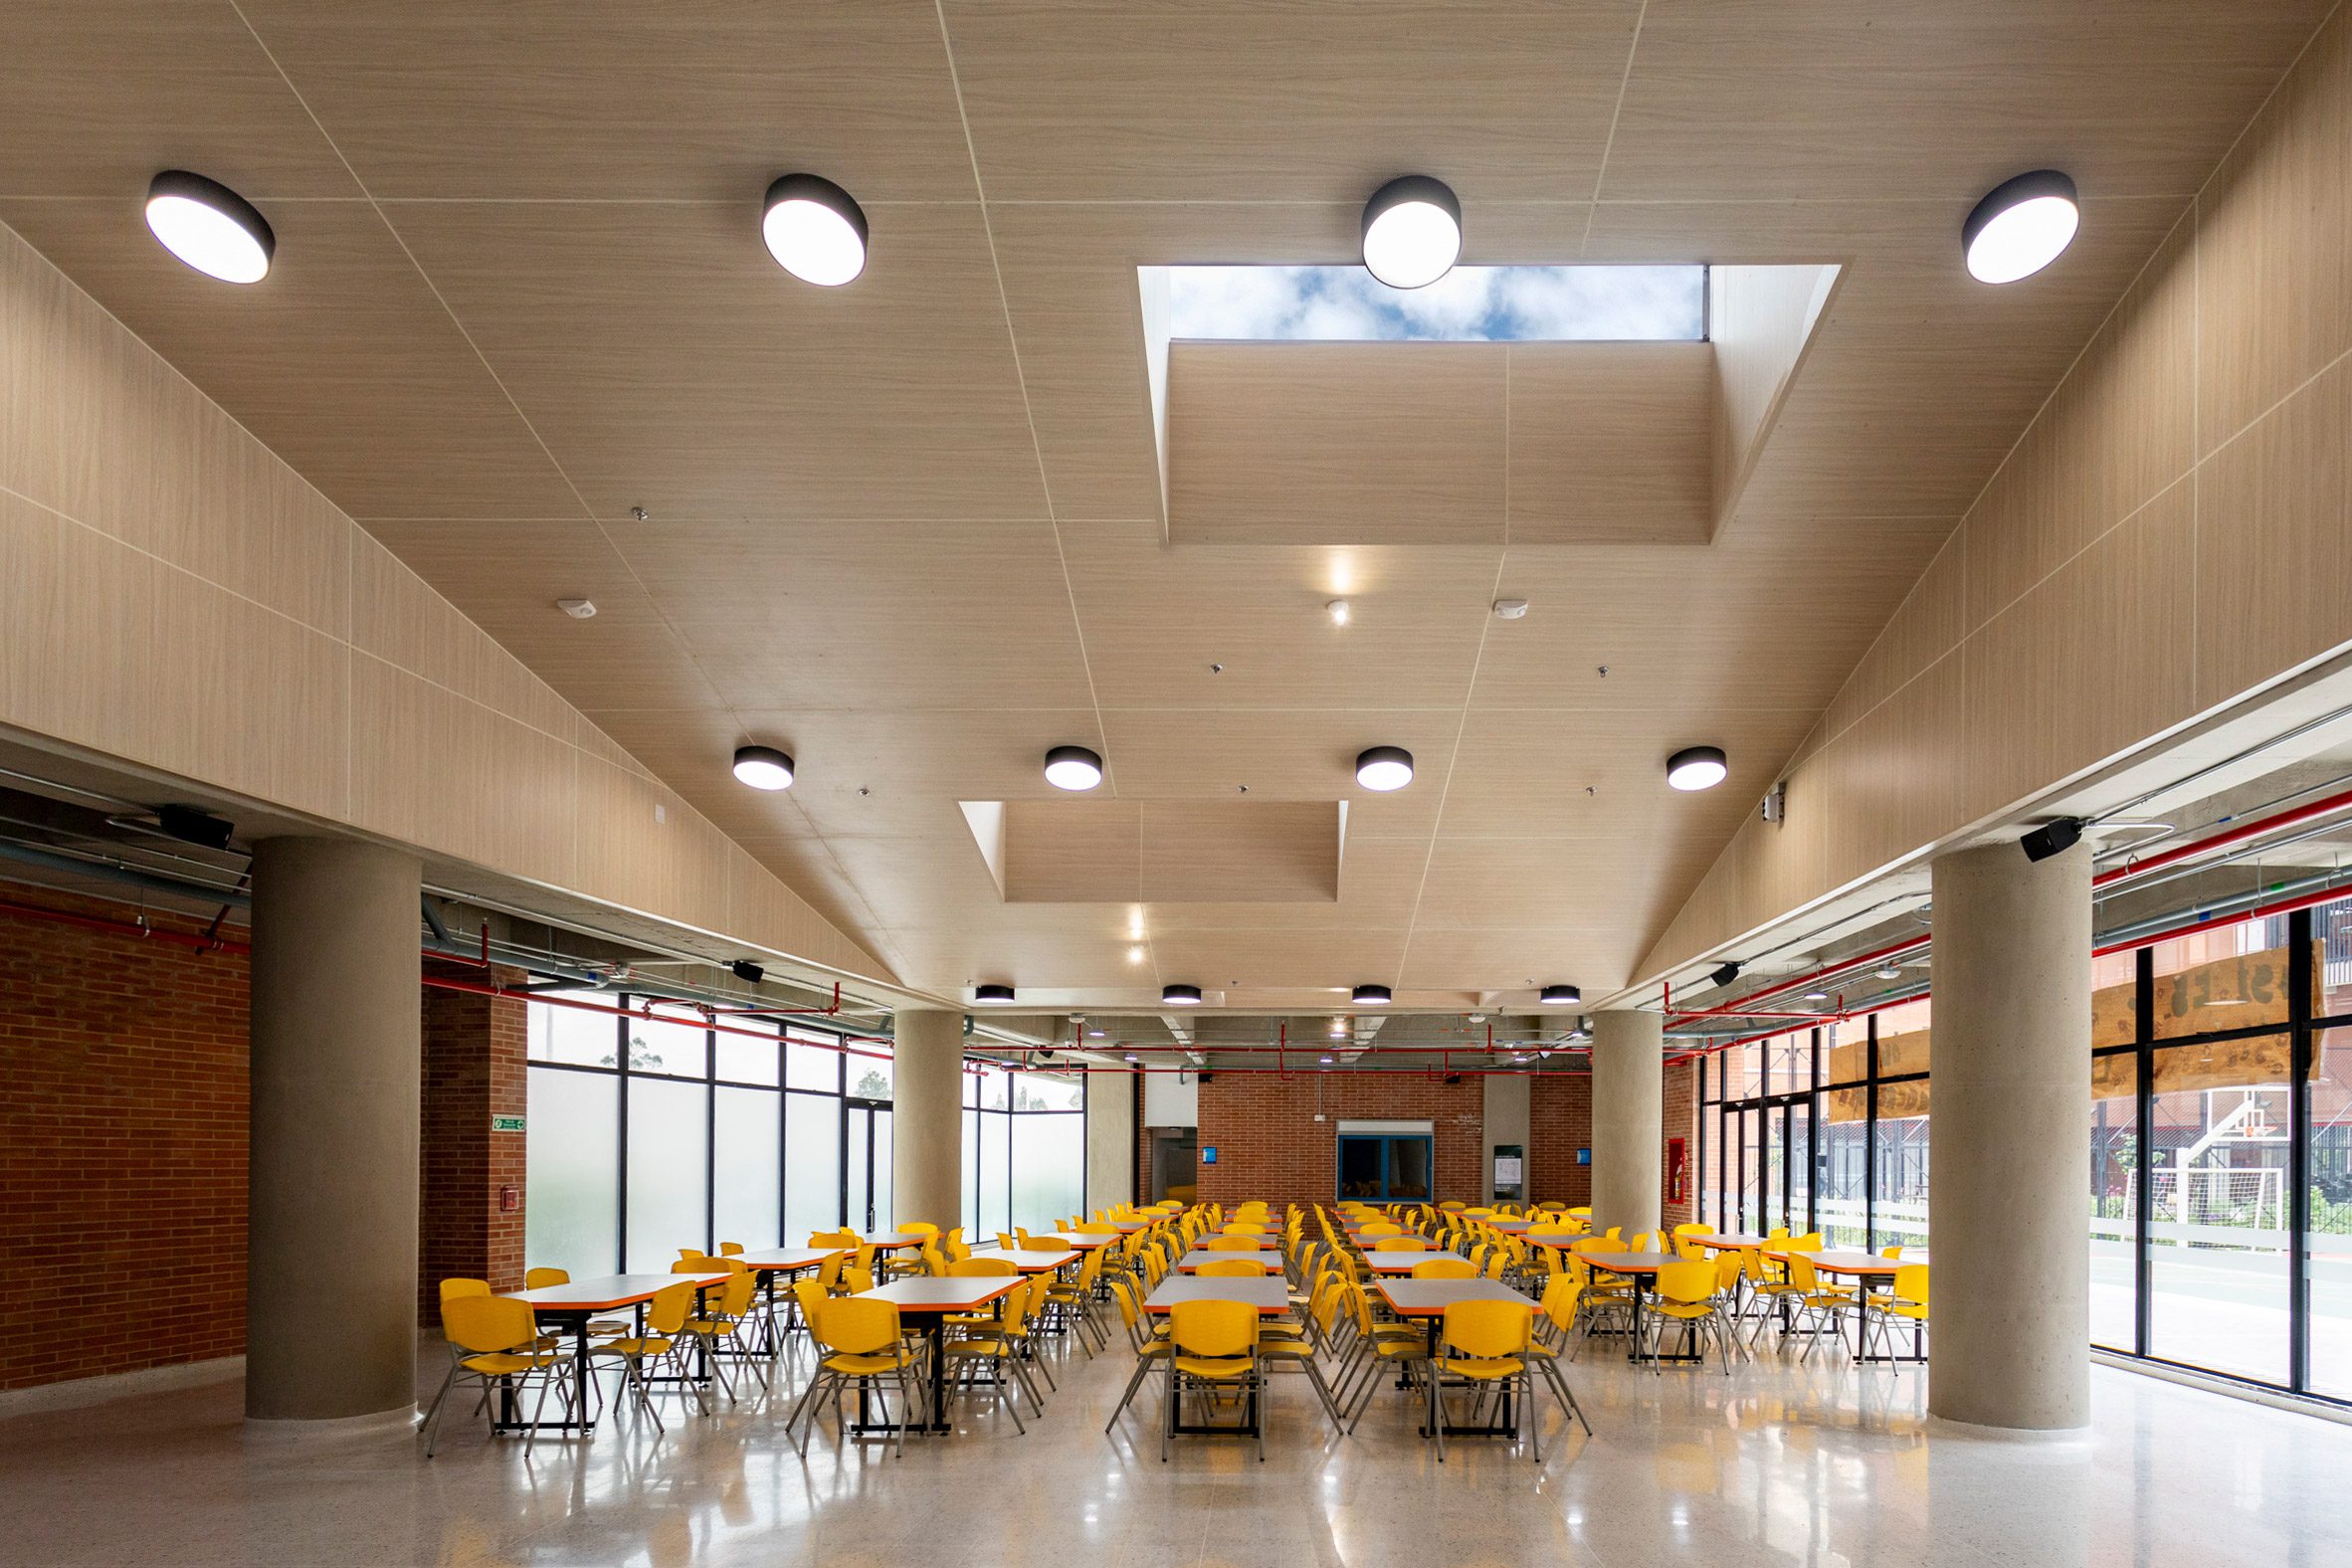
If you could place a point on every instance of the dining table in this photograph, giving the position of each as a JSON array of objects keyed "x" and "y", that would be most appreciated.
[
  {"x": 1427, "y": 1300},
  {"x": 570, "y": 1307},
  {"x": 766, "y": 1263},
  {"x": 930, "y": 1299},
  {"x": 1640, "y": 1269}
]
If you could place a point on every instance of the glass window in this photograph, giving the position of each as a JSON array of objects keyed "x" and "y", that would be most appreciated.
[
  {"x": 669, "y": 1164},
  {"x": 554, "y": 1033},
  {"x": 2114, "y": 1200},
  {"x": 974, "y": 1233},
  {"x": 747, "y": 1163},
  {"x": 1900, "y": 1152},
  {"x": 1036, "y": 1091},
  {"x": 2329, "y": 1260},
  {"x": 870, "y": 1076},
  {"x": 744, "y": 1058},
  {"x": 1049, "y": 1160},
  {"x": 812, "y": 1165},
  {"x": 2233, "y": 978},
  {"x": 811, "y": 1066},
  {"x": 995, "y": 1089},
  {"x": 996, "y": 1209},
  {"x": 1488, "y": 305},
  {"x": 661, "y": 1045},
  {"x": 1845, "y": 1148},
  {"x": 2218, "y": 1226},
  {"x": 572, "y": 1218}
]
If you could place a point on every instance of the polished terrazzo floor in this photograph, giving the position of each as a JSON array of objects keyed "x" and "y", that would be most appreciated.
[{"x": 1779, "y": 1463}]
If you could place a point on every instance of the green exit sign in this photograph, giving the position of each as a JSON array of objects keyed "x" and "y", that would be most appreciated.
[{"x": 505, "y": 1123}]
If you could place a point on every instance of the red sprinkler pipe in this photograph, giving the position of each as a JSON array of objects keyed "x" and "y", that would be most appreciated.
[{"x": 2327, "y": 805}]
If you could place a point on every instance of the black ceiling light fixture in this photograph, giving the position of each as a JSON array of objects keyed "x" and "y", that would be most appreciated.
[
  {"x": 1180, "y": 996},
  {"x": 1073, "y": 768},
  {"x": 1726, "y": 972},
  {"x": 1412, "y": 231},
  {"x": 1696, "y": 768},
  {"x": 746, "y": 971},
  {"x": 2021, "y": 226},
  {"x": 209, "y": 227},
  {"x": 2052, "y": 838},
  {"x": 190, "y": 825},
  {"x": 992, "y": 995},
  {"x": 814, "y": 229},
  {"x": 1371, "y": 996},
  {"x": 763, "y": 767},
  {"x": 1562, "y": 996},
  {"x": 1384, "y": 768}
]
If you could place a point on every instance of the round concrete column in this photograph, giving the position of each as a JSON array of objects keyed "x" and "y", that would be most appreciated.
[
  {"x": 332, "y": 1249},
  {"x": 1628, "y": 1079},
  {"x": 2011, "y": 1122},
  {"x": 927, "y": 1118}
]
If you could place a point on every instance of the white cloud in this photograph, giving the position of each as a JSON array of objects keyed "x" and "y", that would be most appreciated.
[{"x": 1470, "y": 304}]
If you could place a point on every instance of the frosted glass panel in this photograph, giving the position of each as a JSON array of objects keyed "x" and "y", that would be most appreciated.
[
  {"x": 812, "y": 1168},
  {"x": 884, "y": 1214},
  {"x": 657, "y": 1045},
  {"x": 995, "y": 1215},
  {"x": 570, "y": 1034},
  {"x": 669, "y": 1154},
  {"x": 869, "y": 1076},
  {"x": 745, "y": 1167},
  {"x": 1049, "y": 1169},
  {"x": 571, "y": 1217},
  {"x": 812, "y": 1066},
  {"x": 744, "y": 1058},
  {"x": 971, "y": 1161}
]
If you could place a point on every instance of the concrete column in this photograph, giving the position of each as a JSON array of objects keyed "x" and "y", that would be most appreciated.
[
  {"x": 1629, "y": 1067},
  {"x": 1510, "y": 1096},
  {"x": 927, "y": 1118},
  {"x": 332, "y": 1248},
  {"x": 2011, "y": 1139},
  {"x": 1110, "y": 1140}
]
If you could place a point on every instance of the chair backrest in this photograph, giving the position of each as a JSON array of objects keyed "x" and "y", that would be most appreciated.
[
  {"x": 1488, "y": 1330},
  {"x": 935, "y": 1260},
  {"x": 1560, "y": 1296},
  {"x": 1891, "y": 1251},
  {"x": 1810, "y": 1241},
  {"x": 698, "y": 1264},
  {"x": 858, "y": 1278},
  {"x": 455, "y": 1290},
  {"x": 1686, "y": 1281},
  {"x": 1006, "y": 1241},
  {"x": 1727, "y": 1270},
  {"x": 484, "y": 1325},
  {"x": 734, "y": 1297},
  {"x": 1447, "y": 1268},
  {"x": 688, "y": 1255},
  {"x": 981, "y": 1267},
  {"x": 1694, "y": 1229},
  {"x": 1233, "y": 1267},
  {"x": 1230, "y": 1244},
  {"x": 1688, "y": 1250},
  {"x": 1383, "y": 1228},
  {"x": 1213, "y": 1329},
  {"x": 917, "y": 1228},
  {"x": 858, "y": 1325},
  {"x": 829, "y": 1271},
  {"x": 730, "y": 1248},
  {"x": 1245, "y": 1228},
  {"x": 1751, "y": 1264},
  {"x": 667, "y": 1313},
  {"x": 812, "y": 1298},
  {"x": 535, "y": 1278},
  {"x": 1910, "y": 1282},
  {"x": 1016, "y": 1304},
  {"x": 1802, "y": 1273},
  {"x": 1404, "y": 1244},
  {"x": 1494, "y": 1262}
]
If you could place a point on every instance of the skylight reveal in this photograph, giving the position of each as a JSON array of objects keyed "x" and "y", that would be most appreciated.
[{"x": 1490, "y": 304}]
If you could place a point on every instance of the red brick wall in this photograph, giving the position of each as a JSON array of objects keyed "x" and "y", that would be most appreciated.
[
  {"x": 1268, "y": 1144},
  {"x": 472, "y": 1064},
  {"x": 1559, "y": 1122},
  {"x": 122, "y": 1149},
  {"x": 1679, "y": 1119}
]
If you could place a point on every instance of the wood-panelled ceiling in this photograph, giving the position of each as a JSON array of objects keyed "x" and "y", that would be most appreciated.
[{"x": 911, "y": 529}]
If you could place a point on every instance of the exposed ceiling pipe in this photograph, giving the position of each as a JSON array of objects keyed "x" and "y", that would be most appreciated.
[
  {"x": 129, "y": 876},
  {"x": 2325, "y": 806}
]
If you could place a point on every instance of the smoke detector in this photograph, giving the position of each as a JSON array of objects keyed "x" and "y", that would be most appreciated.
[
  {"x": 577, "y": 609},
  {"x": 1510, "y": 609}
]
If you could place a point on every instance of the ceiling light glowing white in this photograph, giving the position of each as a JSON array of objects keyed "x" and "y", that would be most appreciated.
[
  {"x": 1384, "y": 768},
  {"x": 763, "y": 767},
  {"x": 1371, "y": 996},
  {"x": 992, "y": 995},
  {"x": 2023, "y": 226},
  {"x": 1326, "y": 1060},
  {"x": 1180, "y": 996},
  {"x": 1412, "y": 232},
  {"x": 209, "y": 227},
  {"x": 1697, "y": 767},
  {"x": 1817, "y": 996},
  {"x": 1890, "y": 972},
  {"x": 1561, "y": 996},
  {"x": 1073, "y": 768},
  {"x": 814, "y": 230},
  {"x": 1338, "y": 608}
]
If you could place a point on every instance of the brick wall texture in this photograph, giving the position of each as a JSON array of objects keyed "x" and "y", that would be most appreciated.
[{"x": 123, "y": 1144}]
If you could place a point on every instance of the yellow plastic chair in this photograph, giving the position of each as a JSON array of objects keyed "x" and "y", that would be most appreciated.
[
  {"x": 1072, "y": 1304},
  {"x": 1557, "y": 1312},
  {"x": 1446, "y": 1268},
  {"x": 1484, "y": 1343},
  {"x": 915, "y": 1260},
  {"x": 1685, "y": 1293},
  {"x": 1004, "y": 1345},
  {"x": 1230, "y": 1244},
  {"x": 1233, "y": 1268},
  {"x": 494, "y": 1339},
  {"x": 1906, "y": 1301},
  {"x": 1213, "y": 1344},
  {"x": 719, "y": 1328},
  {"x": 864, "y": 1345},
  {"x": 730, "y": 1248},
  {"x": 1820, "y": 1307},
  {"x": 660, "y": 1345}
]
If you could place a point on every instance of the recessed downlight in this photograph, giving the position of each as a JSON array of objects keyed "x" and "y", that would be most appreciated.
[
  {"x": 1817, "y": 996},
  {"x": 814, "y": 230},
  {"x": 209, "y": 227},
  {"x": 1326, "y": 1061},
  {"x": 1412, "y": 232},
  {"x": 1073, "y": 768},
  {"x": 1180, "y": 996},
  {"x": 1384, "y": 768},
  {"x": 1371, "y": 996},
  {"x": 763, "y": 767},
  {"x": 2021, "y": 226},
  {"x": 1888, "y": 972},
  {"x": 1561, "y": 996},
  {"x": 992, "y": 995},
  {"x": 1697, "y": 767}
]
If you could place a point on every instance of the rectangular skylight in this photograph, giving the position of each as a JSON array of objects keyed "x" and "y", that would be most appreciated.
[{"x": 1475, "y": 305}]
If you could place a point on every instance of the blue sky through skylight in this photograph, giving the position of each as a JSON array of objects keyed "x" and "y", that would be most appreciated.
[{"x": 1499, "y": 304}]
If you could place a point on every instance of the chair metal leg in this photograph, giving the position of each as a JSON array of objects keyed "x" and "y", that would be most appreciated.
[{"x": 1142, "y": 1370}]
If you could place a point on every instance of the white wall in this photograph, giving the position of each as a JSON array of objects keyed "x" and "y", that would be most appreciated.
[{"x": 1171, "y": 1099}]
